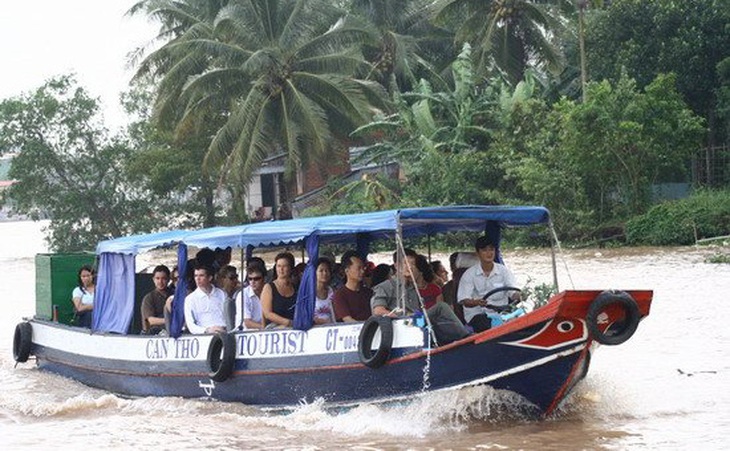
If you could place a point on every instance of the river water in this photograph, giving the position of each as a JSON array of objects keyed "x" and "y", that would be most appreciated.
[{"x": 666, "y": 388}]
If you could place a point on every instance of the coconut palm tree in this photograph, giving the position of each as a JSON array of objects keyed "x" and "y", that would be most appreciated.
[
  {"x": 508, "y": 36},
  {"x": 278, "y": 75},
  {"x": 407, "y": 46}
]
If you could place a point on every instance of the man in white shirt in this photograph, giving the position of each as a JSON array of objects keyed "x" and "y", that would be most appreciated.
[
  {"x": 481, "y": 279},
  {"x": 204, "y": 307},
  {"x": 248, "y": 300}
]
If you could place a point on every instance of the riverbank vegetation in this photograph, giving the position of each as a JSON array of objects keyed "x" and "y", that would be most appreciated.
[{"x": 584, "y": 107}]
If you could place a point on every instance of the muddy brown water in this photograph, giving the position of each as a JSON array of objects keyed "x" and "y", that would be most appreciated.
[{"x": 666, "y": 388}]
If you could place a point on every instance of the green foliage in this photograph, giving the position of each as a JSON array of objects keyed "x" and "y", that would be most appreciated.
[
  {"x": 370, "y": 193},
  {"x": 648, "y": 37},
  {"x": 508, "y": 36},
  {"x": 623, "y": 141},
  {"x": 68, "y": 168},
  {"x": 275, "y": 77},
  {"x": 170, "y": 170},
  {"x": 539, "y": 294},
  {"x": 440, "y": 138},
  {"x": 704, "y": 214},
  {"x": 594, "y": 163},
  {"x": 718, "y": 259}
]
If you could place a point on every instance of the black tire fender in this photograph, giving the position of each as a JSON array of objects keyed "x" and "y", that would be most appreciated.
[
  {"x": 365, "y": 342},
  {"x": 22, "y": 342},
  {"x": 221, "y": 356},
  {"x": 630, "y": 322}
]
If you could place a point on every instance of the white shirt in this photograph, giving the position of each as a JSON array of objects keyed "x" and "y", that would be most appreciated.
[
  {"x": 323, "y": 307},
  {"x": 474, "y": 284},
  {"x": 205, "y": 310},
  {"x": 251, "y": 307},
  {"x": 86, "y": 297}
]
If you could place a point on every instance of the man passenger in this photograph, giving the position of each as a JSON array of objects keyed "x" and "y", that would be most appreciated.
[
  {"x": 153, "y": 304},
  {"x": 446, "y": 325},
  {"x": 248, "y": 301},
  {"x": 227, "y": 280},
  {"x": 352, "y": 300},
  {"x": 479, "y": 280},
  {"x": 204, "y": 307}
]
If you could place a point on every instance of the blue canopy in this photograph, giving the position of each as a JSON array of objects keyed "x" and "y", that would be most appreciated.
[
  {"x": 336, "y": 228},
  {"x": 114, "y": 310}
]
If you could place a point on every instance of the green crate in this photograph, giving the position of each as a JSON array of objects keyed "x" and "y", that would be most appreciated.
[{"x": 56, "y": 275}]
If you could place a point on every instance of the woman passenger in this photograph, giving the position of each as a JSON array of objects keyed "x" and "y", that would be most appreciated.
[
  {"x": 83, "y": 296},
  {"x": 279, "y": 296},
  {"x": 440, "y": 273},
  {"x": 323, "y": 311},
  {"x": 424, "y": 279}
]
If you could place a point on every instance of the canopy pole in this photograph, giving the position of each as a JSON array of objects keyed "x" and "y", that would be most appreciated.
[
  {"x": 428, "y": 242},
  {"x": 559, "y": 248},
  {"x": 400, "y": 253}
]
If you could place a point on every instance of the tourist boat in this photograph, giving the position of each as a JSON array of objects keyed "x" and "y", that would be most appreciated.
[{"x": 540, "y": 355}]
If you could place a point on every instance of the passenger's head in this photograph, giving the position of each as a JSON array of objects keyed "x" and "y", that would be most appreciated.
[
  {"x": 440, "y": 271},
  {"x": 256, "y": 274},
  {"x": 228, "y": 279},
  {"x": 85, "y": 276},
  {"x": 323, "y": 265},
  {"x": 174, "y": 275},
  {"x": 452, "y": 260},
  {"x": 161, "y": 277},
  {"x": 486, "y": 249},
  {"x": 353, "y": 266},
  {"x": 422, "y": 269},
  {"x": 203, "y": 276},
  {"x": 223, "y": 256},
  {"x": 257, "y": 261},
  {"x": 381, "y": 273},
  {"x": 402, "y": 267},
  {"x": 284, "y": 264}
]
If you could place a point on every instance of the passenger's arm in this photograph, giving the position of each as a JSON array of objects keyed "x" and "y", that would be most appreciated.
[
  {"x": 251, "y": 324},
  {"x": 190, "y": 319},
  {"x": 80, "y": 306},
  {"x": 380, "y": 310},
  {"x": 465, "y": 292}
]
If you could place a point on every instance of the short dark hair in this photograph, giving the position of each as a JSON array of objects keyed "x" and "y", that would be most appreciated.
[
  {"x": 255, "y": 267},
  {"x": 161, "y": 268},
  {"x": 257, "y": 261},
  {"x": 484, "y": 241},
  {"x": 208, "y": 269},
  {"x": 347, "y": 258}
]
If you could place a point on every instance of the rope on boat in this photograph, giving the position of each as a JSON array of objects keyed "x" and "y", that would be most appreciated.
[{"x": 431, "y": 334}]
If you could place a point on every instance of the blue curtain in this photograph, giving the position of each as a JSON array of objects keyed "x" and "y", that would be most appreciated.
[
  {"x": 307, "y": 293},
  {"x": 178, "y": 304},
  {"x": 114, "y": 297}
]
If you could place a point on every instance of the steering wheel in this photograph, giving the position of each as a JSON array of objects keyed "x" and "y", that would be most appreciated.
[{"x": 501, "y": 308}]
